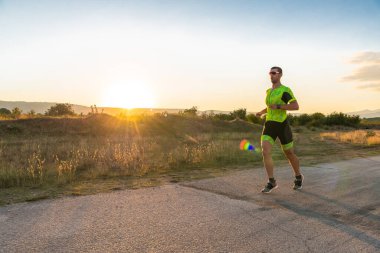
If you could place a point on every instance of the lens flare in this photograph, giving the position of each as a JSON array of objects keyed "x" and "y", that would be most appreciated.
[{"x": 246, "y": 145}]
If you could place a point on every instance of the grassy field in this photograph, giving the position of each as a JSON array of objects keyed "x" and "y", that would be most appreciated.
[
  {"x": 51, "y": 157},
  {"x": 364, "y": 137}
]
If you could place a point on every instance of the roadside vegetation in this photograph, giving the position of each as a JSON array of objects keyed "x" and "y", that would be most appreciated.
[{"x": 61, "y": 153}]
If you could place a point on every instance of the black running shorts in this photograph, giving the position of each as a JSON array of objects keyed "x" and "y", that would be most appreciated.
[{"x": 274, "y": 129}]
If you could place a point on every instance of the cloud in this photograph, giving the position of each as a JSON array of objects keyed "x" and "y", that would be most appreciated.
[
  {"x": 367, "y": 57},
  {"x": 365, "y": 74},
  {"x": 368, "y": 72},
  {"x": 375, "y": 86}
]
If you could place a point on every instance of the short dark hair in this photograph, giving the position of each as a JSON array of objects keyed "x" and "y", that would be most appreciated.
[{"x": 278, "y": 69}]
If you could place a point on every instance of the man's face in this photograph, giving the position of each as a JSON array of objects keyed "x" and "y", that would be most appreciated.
[{"x": 275, "y": 75}]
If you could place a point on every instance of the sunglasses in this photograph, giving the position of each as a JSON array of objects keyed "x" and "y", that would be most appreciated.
[{"x": 274, "y": 72}]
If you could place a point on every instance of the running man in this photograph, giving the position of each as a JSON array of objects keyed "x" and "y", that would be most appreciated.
[{"x": 279, "y": 99}]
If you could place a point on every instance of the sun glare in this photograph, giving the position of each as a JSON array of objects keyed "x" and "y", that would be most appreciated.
[{"x": 128, "y": 95}]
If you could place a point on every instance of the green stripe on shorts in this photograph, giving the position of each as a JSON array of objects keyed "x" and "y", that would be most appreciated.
[
  {"x": 267, "y": 138},
  {"x": 287, "y": 146}
]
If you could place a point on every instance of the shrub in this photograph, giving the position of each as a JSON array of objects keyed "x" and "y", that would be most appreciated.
[
  {"x": 60, "y": 110},
  {"x": 317, "y": 119},
  {"x": 5, "y": 112},
  {"x": 223, "y": 116},
  {"x": 240, "y": 113},
  {"x": 342, "y": 119},
  {"x": 16, "y": 113},
  {"x": 303, "y": 119},
  {"x": 190, "y": 112}
]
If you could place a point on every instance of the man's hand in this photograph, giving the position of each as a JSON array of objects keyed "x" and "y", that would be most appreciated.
[
  {"x": 258, "y": 114},
  {"x": 263, "y": 111}
]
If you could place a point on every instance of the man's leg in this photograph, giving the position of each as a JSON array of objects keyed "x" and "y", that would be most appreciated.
[
  {"x": 293, "y": 160},
  {"x": 268, "y": 163},
  {"x": 268, "y": 138},
  {"x": 267, "y": 157}
]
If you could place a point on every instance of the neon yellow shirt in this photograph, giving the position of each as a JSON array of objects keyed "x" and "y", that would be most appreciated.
[{"x": 282, "y": 95}]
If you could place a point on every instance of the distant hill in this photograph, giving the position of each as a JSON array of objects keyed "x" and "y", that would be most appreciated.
[
  {"x": 38, "y": 107},
  {"x": 42, "y": 107},
  {"x": 377, "y": 119},
  {"x": 366, "y": 113}
]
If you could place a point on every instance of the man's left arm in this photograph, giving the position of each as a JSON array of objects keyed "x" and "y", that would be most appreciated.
[
  {"x": 292, "y": 106},
  {"x": 290, "y": 101}
]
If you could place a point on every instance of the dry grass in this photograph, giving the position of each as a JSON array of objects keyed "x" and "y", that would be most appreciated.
[
  {"x": 42, "y": 158},
  {"x": 37, "y": 168},
  {"x": 364, "y": 137},
  {"x": 63, "y": 151}
]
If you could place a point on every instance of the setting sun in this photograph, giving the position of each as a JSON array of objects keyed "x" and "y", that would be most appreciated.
[{"x": 128, "y": 95}]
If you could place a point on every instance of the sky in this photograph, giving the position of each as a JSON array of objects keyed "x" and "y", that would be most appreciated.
[{"x": 213, "y": 54}]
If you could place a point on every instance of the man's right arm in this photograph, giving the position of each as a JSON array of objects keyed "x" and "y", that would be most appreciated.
[{"x": 261, "y": 112}]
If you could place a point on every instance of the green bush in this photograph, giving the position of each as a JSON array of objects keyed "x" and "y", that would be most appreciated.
[
  {"x": 5, "y": 112},
  {"x": 317, "y": 119},
  {"x": 60, "y": 110},
  {"x": 320, "y": 120},
  {"x": 240, "y": 113},
  {"x": 191, "y": 112},
  {"x": 16, "y": 113},
  {"x": 223, "y": 116},
  {"x": 303, "y": 119},
  {"x": 342, "y": 119}
]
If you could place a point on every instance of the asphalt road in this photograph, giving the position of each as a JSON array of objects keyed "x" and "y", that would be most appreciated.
[{"x": 338, "y": 210}]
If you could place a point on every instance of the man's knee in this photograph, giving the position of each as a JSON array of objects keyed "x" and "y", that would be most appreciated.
[{"x": 266, "y": 149}]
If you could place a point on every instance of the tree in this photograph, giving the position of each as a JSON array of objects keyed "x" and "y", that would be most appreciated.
[
  {"x": 5, "y": 112},
  {"x": 32, "y": 113},
  {"x": 192, "y": 111},
  {"x": 317, "y": 119},
  {"x": 342, "y": 119},
  {"x": 303, "y": 119},
  {"x": 16, "y": 112},
  {"x": 240, "y": 113},
  {"x": 60, "y": 110}
]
